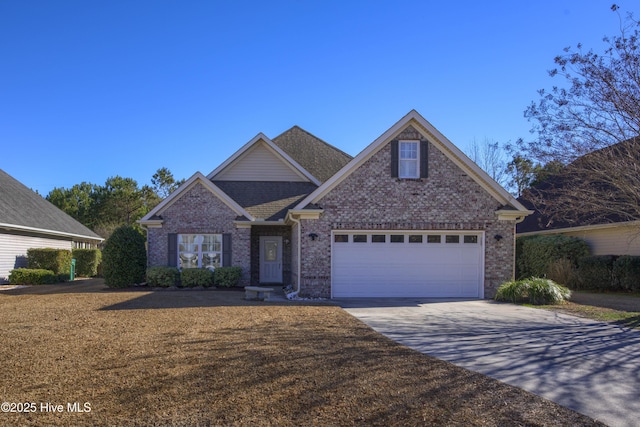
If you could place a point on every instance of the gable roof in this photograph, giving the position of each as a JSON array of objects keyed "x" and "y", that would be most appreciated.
[
  {"x": 511, "y": 206},
  {"x": 323, "y": 160},
  {"x": 22, "y": 209},
  {"x": 286, "y": 159},
  {"x": 196, "y": 178}
]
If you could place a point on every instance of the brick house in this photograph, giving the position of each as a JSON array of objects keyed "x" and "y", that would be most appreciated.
[{"x": 410, "y": 216}]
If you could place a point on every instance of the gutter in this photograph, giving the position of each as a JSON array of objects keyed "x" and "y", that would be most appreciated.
[
  {"x": 48, "y": 232},
  {"x": 297, "y": 221}
]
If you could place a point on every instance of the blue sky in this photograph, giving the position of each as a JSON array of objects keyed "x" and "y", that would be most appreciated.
[{"x": 93, "y": 89}]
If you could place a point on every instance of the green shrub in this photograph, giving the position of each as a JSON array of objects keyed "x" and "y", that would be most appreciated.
[
  {"x": 87, "y": 261},
  {"x": 596, "y": 273},
  {"x": 163, "y": 276},
  {"x": 227, "y": 277},
  {"x": 56, "y": 260},
  {"x": 536, "y": 254},
  {"x": 534, "y": 290},
  {"x": 626, "y": 271},
  {"x": 34, "y": 276},
  {"x": 124, "y": 258},
  {"x": 191, "y": 277}
]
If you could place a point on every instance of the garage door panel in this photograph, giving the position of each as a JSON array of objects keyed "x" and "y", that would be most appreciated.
[{"x": 407, "y": 269}]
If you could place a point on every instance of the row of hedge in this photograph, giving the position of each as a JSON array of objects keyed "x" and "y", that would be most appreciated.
[
  {"x": 59, "y": 260},
  {"x": 566, "y": 260},
  {"x": 609, "y": 273},
  {"x": 36, "y": 276},
  {"x": 165, "y": 277}
]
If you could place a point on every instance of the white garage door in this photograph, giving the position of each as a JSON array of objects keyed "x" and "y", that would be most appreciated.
[{"x": 408, "y": 264}]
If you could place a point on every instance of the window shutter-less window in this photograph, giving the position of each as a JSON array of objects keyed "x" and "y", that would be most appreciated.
[
  {"x": 424, "y": 159},
  {"x": 394, "y": 158},
  {"x": 172, "y": 252},
  {"x": 226, "y": 250}
]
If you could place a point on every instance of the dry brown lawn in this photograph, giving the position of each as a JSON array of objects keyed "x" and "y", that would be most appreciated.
[{"x": 208, "y": 358}]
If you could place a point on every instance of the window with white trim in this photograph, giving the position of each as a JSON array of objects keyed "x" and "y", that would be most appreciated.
[
  {"x": 199, "y": 250},
  {"x": 408, "y": 159}
]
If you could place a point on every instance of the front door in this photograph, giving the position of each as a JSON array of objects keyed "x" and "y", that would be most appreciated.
[{"x": 271, "y": 259}]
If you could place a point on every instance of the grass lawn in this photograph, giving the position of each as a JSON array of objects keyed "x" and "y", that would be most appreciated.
[
  {"x": 211, "y": 358},
  {"x": 621, "y": 309}
]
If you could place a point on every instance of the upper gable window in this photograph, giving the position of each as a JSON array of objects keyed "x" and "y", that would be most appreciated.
[
  {"x": 409, "y": 159},
  {"x": 408, "y": 166}
]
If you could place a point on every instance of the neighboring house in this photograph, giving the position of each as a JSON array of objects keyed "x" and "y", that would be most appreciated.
[
  {"x": 607, "y": 231},
  {"x": 610, "y": 235},
  {"x": 28, "y": 221},
  {"x": 410, "y": 216}
]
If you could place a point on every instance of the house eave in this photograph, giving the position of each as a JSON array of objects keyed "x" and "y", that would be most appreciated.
[
  {"x": 258, "y": 221},
  {"x": 304, "y": 214},
  {"x": 629, "y": 224},
  {"x": 14, "y": 227},
  {"x": 512, "y": 215},
  {"x": 151, "y": 223}
]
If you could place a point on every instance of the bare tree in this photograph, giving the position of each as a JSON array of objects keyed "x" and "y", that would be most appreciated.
[
  {"x": 491, "y": 158},
  {"x": 590, "y": 125}
]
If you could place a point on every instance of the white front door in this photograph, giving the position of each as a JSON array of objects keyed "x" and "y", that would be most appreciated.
[{"x": 270, "y": 259}]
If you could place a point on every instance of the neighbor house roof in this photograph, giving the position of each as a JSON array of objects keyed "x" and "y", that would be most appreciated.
[
  {"x": 321, "y": 159},
  {"x": 544, "y": 194},
  {"x": 21, "y": 209}
]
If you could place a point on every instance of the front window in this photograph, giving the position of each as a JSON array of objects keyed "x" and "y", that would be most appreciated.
[
  {"x": 199, "y": 250},
  {"x": 408, "y": 160}
]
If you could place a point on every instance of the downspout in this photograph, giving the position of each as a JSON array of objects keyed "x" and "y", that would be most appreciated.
[{"x": 297, "y": 221}]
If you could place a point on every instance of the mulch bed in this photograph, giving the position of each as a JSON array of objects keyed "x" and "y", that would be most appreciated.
[{"x": 210, "y": 358}]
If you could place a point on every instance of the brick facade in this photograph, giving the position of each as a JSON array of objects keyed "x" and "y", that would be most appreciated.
[
  {"x": 369, "y": 199},
  {"x": 198, "y": 210}
]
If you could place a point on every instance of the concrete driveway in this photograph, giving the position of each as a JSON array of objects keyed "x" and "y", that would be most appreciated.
[{"x": 588, "y": 366}]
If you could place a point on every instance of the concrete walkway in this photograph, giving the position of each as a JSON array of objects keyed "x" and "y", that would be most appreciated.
[{"x": 588, "y": 366}]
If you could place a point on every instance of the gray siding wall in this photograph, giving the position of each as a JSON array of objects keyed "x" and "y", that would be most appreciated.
[{"x": 13, "y": 250}]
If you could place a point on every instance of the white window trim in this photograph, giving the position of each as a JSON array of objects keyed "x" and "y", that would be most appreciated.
[
  {"x": 416, "y": 160},
  {"x": 199, "y": 237}
]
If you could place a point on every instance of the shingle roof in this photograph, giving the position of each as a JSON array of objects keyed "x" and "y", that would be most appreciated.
[
  {"x": 267, "y": 200},
  {"x": 321, "y": 159},
  {"x": 546, "y": 193},
  {"x": 22, "y": 207}
]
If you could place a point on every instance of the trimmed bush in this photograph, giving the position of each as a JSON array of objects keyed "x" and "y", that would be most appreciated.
[
  {"x": 596, "y": 273},
  {"x": 538, "y": 253},
  {"x": 87, "y": 261},
  {"x": 534, "y": 290},
  {"x": 163, "y": 277},
  {"x": 227, "y": 277},
  {"x": 626, "y": 271},
  {"x": 35, "y": 276},
  {"x": 124, "y": 258},
  {"x": 192, "y": 277},
  {"x": 56, "y": 260}
]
